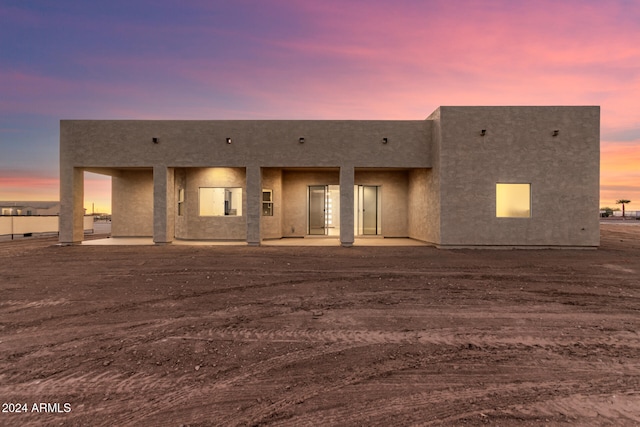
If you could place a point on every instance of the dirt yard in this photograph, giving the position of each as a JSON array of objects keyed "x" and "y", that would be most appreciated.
[{"x": 320, "y": 336}]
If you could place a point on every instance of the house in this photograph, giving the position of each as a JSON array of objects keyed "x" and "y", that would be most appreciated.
[
  {"x": 463, "y": 177},
  {"x": 29, "y": 218},
  {"x": 29, "y": 208}
]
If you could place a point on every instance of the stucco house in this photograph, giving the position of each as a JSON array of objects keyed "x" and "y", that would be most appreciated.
[
  {"x": 29, "y": 208},
  {"x": 463, "y": 177}
]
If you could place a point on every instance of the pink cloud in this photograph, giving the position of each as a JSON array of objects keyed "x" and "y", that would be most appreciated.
[
  {"x": 392, "y": 62},
  {"x": 381, "y": 63},
  {"x": 19, "y": 185}
]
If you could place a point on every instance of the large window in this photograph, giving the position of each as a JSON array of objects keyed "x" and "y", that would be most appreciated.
[
  {"x": 513, "y": 200},
  {"x": 220, "y": 201}
]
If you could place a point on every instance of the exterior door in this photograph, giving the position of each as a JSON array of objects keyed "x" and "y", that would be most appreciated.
[
  {"x": 317, "y": 209},
  {"x": 367, "y": 206}
]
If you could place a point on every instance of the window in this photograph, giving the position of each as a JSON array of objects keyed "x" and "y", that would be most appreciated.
[
  {"x": 513, "y": 200},
  {"x": 267, "y": 202},
  {"x": 181, "y": 202},
  {"x": 220, "y": 201}
]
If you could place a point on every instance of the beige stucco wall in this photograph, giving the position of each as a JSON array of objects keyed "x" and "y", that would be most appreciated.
[
  {"x": 21, "y": 224},
  {"x": 423, "y": 215},
  {"x": 394, "y": 187},
  {"x": 271, "y": 143},
  {"x": 54, "y": 210},
  {"x": 519, "y": 147},
  {"x": 425, "y": 191},
  {"x": 132, "y": 203}
]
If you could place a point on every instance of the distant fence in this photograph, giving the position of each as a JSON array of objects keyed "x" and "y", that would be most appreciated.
[
  {"x": 28, "y": 225},
  {"x": 629, "y": 214},
  {"x": 618, "y": 214}
]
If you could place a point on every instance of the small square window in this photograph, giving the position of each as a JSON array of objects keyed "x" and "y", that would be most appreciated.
[{"x": 513, "y": 200}]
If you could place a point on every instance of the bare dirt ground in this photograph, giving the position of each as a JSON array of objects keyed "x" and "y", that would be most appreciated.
[{"x": 200, "y": 336}]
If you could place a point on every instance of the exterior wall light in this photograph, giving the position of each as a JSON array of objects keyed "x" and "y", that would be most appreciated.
[
  {"x": 483, "y": 132},
  {"x": 301, "y": 140},
  {"x": 556, "y": 132},
  {"x": 155, "y": 140},
  {"x": 228, "y": 140},
  {"x": 385, "y": 140}
]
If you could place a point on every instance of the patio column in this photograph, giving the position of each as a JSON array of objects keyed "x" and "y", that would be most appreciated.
[
  {"x": 71, "y": 227},
  {"x": 346, "y": 205},
  {"x": 163, "y": 206},
  {"x": 254, "y": 204}
]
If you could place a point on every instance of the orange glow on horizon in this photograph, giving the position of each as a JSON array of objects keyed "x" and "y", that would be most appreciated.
[
  {"x": 97, "y": 193},
  {"x": 28, "y": 188},
  {"x": 19, "y": 188},
  {"x": 619, "y": 174}
]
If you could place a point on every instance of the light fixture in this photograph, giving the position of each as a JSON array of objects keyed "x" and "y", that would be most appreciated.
[
  {"x": 483, "y": 132},
  {"x": 556, "y": 132},
  {"x": 301, "y": 140},
  {"x": 155, "y": 140},
  {"x": 385, "y": 140},
  {"x": 228, "y": 140}
]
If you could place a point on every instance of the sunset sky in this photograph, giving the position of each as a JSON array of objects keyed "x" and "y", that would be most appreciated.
[{"x": 307, "y": 59}]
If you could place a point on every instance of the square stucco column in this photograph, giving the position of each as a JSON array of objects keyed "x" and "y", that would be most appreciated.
[
  {"x": 71, "y": 205},
  {"x": 163, "y": 209},
  {"x": 254, "y": 204},
  {"x": 346, "y": 205}
]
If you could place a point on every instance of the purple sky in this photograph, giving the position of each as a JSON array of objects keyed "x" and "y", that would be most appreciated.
[{"x": 288, "y": 59}]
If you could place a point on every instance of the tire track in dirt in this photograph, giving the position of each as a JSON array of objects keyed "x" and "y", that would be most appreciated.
[
  {"x": 267, "y": 411},
  {"x": 116, "y": 384},
  {"x": 262, "y": 414},
  {"x": 28, "y": 339},
  {"x": 109, "y": 382},
  {"x": 120, "y": 307},
  {"x": 622, "y": 409},
  {"x": 202, "y": 396},
  {"x": 623, "y": 339},
  {"x": 453, "y": 405},
  {"x": 335, "y": 342},
  {"x": 438, "y": 405},
  {"x": 10, "y": 306}
]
